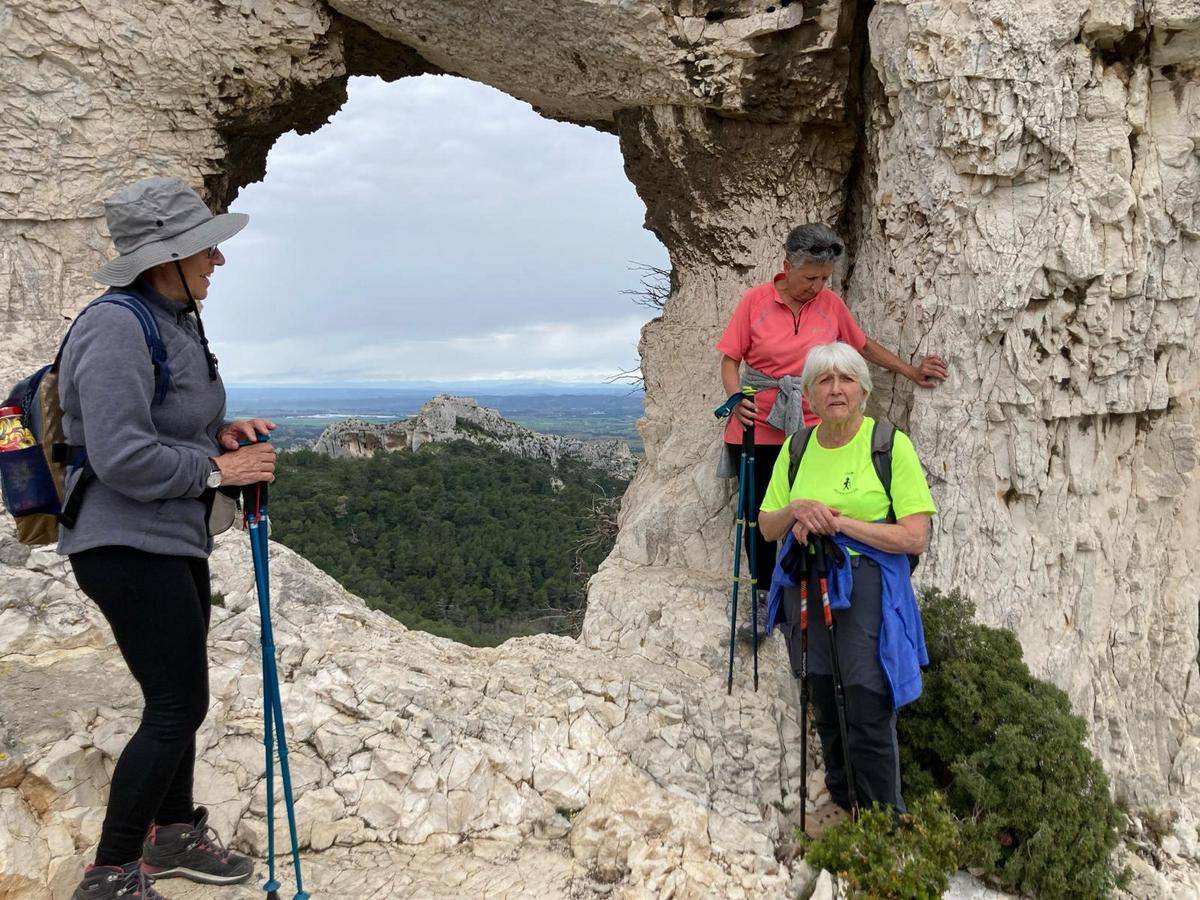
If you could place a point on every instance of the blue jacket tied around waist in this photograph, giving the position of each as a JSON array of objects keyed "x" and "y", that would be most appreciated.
[{"x": 902, "y": 650}]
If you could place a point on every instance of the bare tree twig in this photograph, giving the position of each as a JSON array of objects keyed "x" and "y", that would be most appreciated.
[
  {"x": 654, "y": 285},
  {"x": 628, "y": 376},
  {"x": 652, "y": 292}
]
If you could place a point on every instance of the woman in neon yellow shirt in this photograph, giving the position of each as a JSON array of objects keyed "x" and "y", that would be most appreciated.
[{"x": 837, "y": 492}]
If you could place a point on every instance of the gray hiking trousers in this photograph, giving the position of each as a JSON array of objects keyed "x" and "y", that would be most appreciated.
[{"x": 871, "y": 721}]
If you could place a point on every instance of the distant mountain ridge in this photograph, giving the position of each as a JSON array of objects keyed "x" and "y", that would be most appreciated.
[{"x": 449, "y": 418}]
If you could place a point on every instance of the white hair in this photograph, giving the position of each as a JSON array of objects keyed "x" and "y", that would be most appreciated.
[{"x": 836, "y": 357}]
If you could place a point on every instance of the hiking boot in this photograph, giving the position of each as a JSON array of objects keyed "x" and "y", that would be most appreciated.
[
  {"x": 744, "y": 633},
  {"x": 126, "y": 882},
  {"x": 823, "y": 818},
  {"x": 192, "y": 850}
]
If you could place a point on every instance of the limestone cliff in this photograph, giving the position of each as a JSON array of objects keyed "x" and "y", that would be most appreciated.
[
  {"x": 446, "y": 418},
  {"x": 1017, "y": 180}
]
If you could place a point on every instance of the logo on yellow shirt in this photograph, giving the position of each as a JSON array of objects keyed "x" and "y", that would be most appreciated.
[{"x": 847, "y": 485}]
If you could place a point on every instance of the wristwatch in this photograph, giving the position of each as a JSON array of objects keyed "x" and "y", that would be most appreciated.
[{"x": 214, "y": 477}]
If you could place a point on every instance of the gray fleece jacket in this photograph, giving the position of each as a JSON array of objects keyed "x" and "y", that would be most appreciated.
[{"x": 151, "y": 460}]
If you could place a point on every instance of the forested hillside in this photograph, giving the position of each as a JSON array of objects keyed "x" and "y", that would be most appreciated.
[{"x": 456, "y": 539}]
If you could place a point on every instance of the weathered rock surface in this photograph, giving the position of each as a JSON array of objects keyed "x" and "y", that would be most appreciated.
[
  {"x": 446, "y": 418},
  {"x": 1018, "y": 184},
  {"x": 1021, "y": 198},
  {"x": 421, "y": 767},
  {"x": 1055, "y": 259},
  {"x": 646, "y": 775}
]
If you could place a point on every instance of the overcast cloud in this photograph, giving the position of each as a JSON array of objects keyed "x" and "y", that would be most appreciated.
[{"x": 435, "y": 229}]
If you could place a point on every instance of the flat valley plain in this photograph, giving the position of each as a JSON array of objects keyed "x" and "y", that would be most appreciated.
[{"x": 302, "y": 412}]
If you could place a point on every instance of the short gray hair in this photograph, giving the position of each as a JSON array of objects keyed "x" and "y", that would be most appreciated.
[
  {"x": 812, "y": 243},
  {"x": 836, "y": 357}
]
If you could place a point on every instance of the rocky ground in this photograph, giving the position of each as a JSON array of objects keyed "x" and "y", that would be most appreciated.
[
  {"x": 634, "y": 774},
  {"x": 422, "y": 767}
]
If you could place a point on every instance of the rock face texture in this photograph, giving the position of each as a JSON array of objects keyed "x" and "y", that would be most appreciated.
[
  {"x": 1055, "y": 259},
  {"x": 446, "y": 418},
  {"x": 1018, "y": 184},
  {"x": 541, "y": 750}
]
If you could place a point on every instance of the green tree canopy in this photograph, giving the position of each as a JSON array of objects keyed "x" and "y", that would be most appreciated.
[{"x": 464, "y": 541}]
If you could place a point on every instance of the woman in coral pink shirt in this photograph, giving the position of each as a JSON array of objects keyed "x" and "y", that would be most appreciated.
[{"x": 769, "y": 335}]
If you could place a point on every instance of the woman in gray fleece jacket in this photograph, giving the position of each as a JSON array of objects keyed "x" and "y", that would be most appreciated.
[{"x": 139, "y": 545}]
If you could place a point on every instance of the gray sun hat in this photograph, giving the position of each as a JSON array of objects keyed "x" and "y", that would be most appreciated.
[{"x": 157, "y": 220}]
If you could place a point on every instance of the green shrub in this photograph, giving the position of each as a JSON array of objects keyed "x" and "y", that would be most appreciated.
[
  {"x": 1033, "y": 803},
  {"x": 907, "y": 860}
]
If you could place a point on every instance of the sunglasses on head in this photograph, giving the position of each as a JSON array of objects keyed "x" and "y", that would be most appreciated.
[{"x": 826, "y": 248}]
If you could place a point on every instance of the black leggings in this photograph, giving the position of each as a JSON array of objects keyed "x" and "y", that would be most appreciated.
[
  {"x": 158, "y": 607},
  {"x": 764, "y": 551}
]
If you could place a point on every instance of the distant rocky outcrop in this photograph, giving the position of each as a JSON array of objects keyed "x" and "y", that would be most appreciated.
[{"x": 447, "y": 418}]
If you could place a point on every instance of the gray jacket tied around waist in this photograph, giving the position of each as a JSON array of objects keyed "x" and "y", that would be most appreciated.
[{"x": 787, "y": 412}]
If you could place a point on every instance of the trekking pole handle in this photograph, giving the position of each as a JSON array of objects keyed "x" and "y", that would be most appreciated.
[
  {"x": 725, "y": 410},
  {"x": 254, "y": 496},
  {"x": 262, "y": 438},
  {"x": 747, "y": 393}
]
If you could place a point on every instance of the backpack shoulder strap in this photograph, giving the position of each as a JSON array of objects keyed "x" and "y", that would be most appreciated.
[
  {"x": 796, "y": 448},
  {"x": 883, "y": 436},
  {"x": 154, "y": 341}
]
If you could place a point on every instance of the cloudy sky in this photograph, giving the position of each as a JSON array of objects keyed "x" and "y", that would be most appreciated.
[{"x": 435, "y": 229}]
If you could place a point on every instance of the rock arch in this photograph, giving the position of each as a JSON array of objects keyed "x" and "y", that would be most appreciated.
[{"x": 1018, "y": 187}]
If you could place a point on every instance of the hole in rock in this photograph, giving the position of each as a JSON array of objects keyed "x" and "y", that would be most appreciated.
[{"x": 440, "y": 237}]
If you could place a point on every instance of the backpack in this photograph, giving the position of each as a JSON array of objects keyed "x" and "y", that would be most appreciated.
[
  {"x": 883, "y": 436},
  {"x": 33, "y": 478}
]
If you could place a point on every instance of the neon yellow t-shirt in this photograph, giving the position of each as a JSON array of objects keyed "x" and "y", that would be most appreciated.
[{"x": 844, "y": 478}]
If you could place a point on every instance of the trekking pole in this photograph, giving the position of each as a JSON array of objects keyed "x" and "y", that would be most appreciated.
[
  {"x": 737, "y": 565},
  {"x": 797, "y": 623},
  {"x": 251, "y": 506},
  {"x": 742, "y": 520},
  {"x": 274, "y": 736},
  {"x": 839, "y": 687},
  {"x": 750, "y": 515},
  {"x": 803, "y": 687}
]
